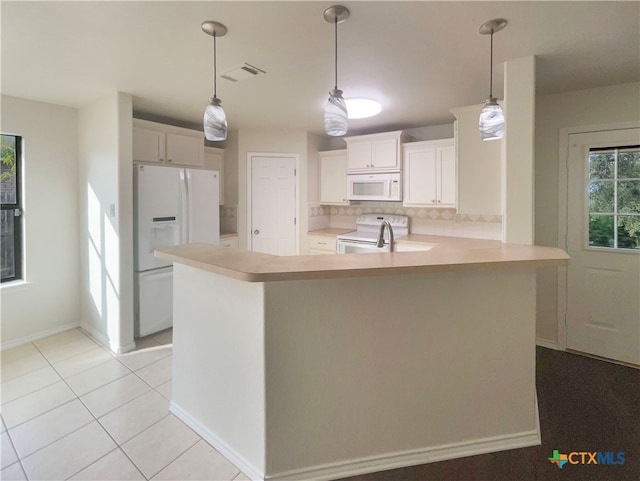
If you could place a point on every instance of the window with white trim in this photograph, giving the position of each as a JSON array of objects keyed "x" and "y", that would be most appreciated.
[
  {"x": 11, "y": 202},
  {"x": 614, "y": 197}
]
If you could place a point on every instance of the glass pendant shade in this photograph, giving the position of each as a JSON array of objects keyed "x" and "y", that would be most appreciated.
[
  {"x": 491, "y": 123},
  {"x": 335, "y": 114},
  {"x": 215, "y": 121}
]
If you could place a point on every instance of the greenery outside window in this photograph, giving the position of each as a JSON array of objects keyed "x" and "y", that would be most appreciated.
[
  {"x": 614, "y": 197},
  {"x": 11, "y": 213}
]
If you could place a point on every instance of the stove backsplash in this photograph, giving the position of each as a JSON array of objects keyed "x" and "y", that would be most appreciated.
[{"x": 422, "y": 220}]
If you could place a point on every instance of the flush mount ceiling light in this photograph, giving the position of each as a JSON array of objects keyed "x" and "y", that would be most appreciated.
[
  {"x": 335, "y": 113},
  {"x": 362, "y": 108},
  {"x": 491, "y": 122},
  {"x": 215, "y": 120}
]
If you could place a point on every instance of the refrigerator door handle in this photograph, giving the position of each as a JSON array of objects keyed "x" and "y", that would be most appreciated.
[{"x": 184, "y": 208}]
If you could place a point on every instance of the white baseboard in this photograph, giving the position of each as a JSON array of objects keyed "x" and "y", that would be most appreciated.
[
  {"x": 223, "y": 448},
  {"x": 38, "y": 335},
  {"x": 104, "y": 340},
  {"x": 370, "y": 464},
  {"x": 548, "y": 344}
]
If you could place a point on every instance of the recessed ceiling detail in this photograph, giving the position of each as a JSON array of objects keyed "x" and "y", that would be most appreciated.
[{"x": 242, "y": 72}]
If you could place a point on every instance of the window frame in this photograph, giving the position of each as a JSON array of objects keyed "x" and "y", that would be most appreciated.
[
  {"x": 17, "y": 208},
  {"x": 615, "y": 180}
]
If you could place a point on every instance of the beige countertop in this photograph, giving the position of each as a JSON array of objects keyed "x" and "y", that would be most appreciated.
[
  {"x": 330, "y": 231},
  {"x": 449, "y": 254}
]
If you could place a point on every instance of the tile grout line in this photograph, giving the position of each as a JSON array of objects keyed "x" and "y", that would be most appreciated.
[
  {"x": 118, "y": 446},
  {"x": 90, "y": 413},
  {"x": 19, "y": 461},
  {"x": 180, "y": 455},
  {"x": 77, "y": 397}
]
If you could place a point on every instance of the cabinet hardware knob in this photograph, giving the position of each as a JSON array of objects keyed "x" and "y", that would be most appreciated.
[
  {"x": 256, "y": 232},
  {"x": 168, "y": 160}
]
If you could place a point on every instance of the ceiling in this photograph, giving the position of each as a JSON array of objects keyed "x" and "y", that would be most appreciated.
[{"x": 419, "y": 59}]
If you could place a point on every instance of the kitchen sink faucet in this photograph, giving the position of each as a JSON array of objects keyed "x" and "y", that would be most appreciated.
[{"x": 380, "y": 242}]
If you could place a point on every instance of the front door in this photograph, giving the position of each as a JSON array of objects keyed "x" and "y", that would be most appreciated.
[
  {"x": 603, "y": 240},
  {"x": 273, "y": 205}
]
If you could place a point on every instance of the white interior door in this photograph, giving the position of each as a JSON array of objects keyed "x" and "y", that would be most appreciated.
[
  {"x": 273, "y": 205},
  {"x": 603, "y": 240}
]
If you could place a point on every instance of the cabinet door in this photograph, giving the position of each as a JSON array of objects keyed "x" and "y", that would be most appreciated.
[
  {"x": 214, "y": 160},
  {"x": 148, "y": 145},
  {"x": 229, "y": 242},
  {"x": 185, "y": 150},
  {"x": 322, "y": 244},
  {"x": 420, "y": 177},
  {"x": 359, "y": 155},
  {"x": 333, "y": 178},
  {"x": 446, "y": 175},
  {"x": 385, "y": 154}
]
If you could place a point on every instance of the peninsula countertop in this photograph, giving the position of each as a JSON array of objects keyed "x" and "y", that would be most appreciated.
[{"x": 447, "y": 254}]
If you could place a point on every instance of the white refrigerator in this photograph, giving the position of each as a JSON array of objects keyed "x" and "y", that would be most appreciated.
[{"x": 172, "y": 206}]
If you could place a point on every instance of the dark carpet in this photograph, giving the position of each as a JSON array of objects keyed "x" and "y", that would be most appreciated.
[{"x": 586, "y": 405}]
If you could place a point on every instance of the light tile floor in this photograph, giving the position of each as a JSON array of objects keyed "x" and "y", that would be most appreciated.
[{"x": 71, "y": 409}]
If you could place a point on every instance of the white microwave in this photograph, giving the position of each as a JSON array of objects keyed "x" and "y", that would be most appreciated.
[{"x": 385, "y": 186}]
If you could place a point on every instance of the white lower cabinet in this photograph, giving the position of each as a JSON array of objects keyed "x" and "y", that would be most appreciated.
[
  {"x": 430, "y": 174},
  {"x": 229, "y": 242},
  {"x": 320, "y": 244},
  {"x": 333, "y": 177}
]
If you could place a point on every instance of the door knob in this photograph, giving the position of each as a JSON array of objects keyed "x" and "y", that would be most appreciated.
[{"x": 256, "y": 232}]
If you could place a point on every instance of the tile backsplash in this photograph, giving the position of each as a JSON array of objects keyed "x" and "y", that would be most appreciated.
[
  {"x": 421, "y": 220},
  {"x": 228, "y": 218}
]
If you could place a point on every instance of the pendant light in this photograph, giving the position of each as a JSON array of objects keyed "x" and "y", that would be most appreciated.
[
  {"x": 215, "y": 120},
  {"x": 335, "y": 113},
  {"x": 491, "y": 122}
]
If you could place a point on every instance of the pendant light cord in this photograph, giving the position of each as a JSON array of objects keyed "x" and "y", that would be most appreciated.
[
  {"x": 336, "y": 52},
  {"x": 491, "y": 68},
  {"x": 215, "y": 85}
]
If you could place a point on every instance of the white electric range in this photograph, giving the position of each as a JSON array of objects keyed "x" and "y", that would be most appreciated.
[{"x": 365, "y": 237}]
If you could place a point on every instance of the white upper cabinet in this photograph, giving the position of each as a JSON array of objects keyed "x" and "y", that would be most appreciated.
[
  {"x": 375, "y": 152},
  {"x": 166, "y": 144},
  {"x": 148, "y": 145},
  {"x": 430, "y": 174},
  {"x": 479, "y": 166},
  {"x": 185, "y": 150},
  {"x": 333, "y": 177},
  {"x": 214, "y": 160}
]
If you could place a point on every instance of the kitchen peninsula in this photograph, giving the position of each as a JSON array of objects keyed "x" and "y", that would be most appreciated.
[{"x": 320, "y": 367}]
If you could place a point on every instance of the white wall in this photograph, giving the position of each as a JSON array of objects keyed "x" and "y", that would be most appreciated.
[
  {"x": 106, "y": 229},
  {"x": 617, "y": 103},
  {"x": 50, "y": 301},
  {"x": 518, "y": 145}
]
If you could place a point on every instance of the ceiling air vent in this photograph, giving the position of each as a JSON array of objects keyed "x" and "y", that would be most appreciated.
[{"x": 242, "y": 72}]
